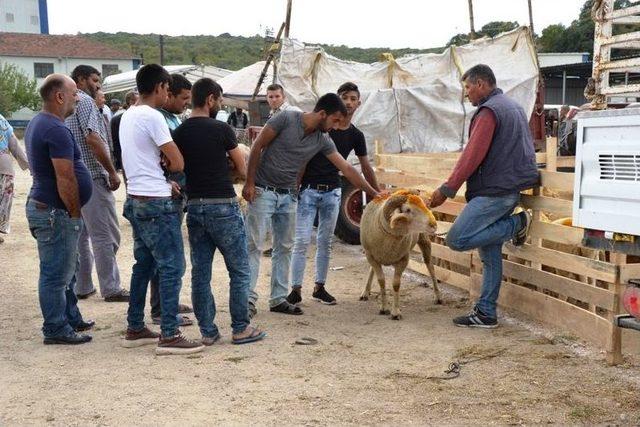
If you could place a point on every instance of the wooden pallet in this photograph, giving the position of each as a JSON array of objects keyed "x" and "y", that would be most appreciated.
[{"x": 552, "y": 278}]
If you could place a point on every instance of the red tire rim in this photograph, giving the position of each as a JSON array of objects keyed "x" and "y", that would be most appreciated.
[{"x": 353, "y": 207}]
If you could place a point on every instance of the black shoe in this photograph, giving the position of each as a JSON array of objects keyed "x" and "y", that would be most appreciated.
[
  {"x": 120, "y": 296},
  {"x": 84, "y": 325},
  {"x": 286, "y": 308},
  {"x": 521, "y": 236},
  {"x": 476, "y": 319},
  {"x": 70, "y": 339},
  {"x": 295, "y": 296},
  {"x": 320, "y": 294},
  {"x": 85, "y": 296}
]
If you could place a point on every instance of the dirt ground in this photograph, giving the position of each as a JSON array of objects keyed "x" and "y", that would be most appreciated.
[{"x": 365, "y": 368}]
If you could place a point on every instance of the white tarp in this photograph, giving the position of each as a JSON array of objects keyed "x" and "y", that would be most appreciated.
[
  {"x": 241, "y": 84},
  {"x": 414, "y": 103},
  {"x": 127, "y": 81}
]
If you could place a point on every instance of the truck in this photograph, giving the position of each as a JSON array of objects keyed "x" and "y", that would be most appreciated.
[{"x": 607, "y": 176}]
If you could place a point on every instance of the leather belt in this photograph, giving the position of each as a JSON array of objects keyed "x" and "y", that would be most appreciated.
[
  {"x": 278, "y": 190},
  {"x": 321, "y": 187},
  {"x": 136, "y": 197},
  {"x": 212, "y": 201}
]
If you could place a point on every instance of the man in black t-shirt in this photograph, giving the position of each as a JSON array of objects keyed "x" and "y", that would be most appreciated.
[
  {"x": 320, "y": 193},
  {"x": 214, "y": 219}
]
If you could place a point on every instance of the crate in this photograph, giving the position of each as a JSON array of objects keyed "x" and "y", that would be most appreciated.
[{"x": 552, "y": 278}]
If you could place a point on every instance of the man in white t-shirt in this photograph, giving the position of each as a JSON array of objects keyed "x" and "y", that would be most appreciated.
[{"x": 147, "y": 150}]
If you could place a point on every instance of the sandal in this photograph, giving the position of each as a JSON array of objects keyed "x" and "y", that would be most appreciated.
[
  {"x": 184, "y": 320},
  {"x": 252, "y": 310},
  {"x": 255, "y": 335},
  {"x": 286, "y": 308},
  {"x": 184, "y": 309}
]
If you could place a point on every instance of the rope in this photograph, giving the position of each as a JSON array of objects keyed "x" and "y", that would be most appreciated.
[
  {"x": 453, "y": 371},
  {"x": 388, "y": 57}
]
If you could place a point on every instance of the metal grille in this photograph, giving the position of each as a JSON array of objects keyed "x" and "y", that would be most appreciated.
[{"x": 620, "y": 167}]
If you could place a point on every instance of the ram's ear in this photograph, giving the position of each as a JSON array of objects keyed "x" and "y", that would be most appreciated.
[
  {"x": 399, "y": 220},
  {"x": 393, "y": 203}
]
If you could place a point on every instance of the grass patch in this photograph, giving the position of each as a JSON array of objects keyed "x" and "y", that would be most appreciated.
[{"x": 583, "y": 412}]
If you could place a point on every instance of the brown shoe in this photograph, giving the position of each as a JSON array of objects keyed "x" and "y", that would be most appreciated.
[
  {"x": 177, "y": 344},
  {"x": 144, "y": 336}
]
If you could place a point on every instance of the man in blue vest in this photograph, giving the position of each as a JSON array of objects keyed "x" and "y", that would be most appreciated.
[{"x": 497, "y": 163}]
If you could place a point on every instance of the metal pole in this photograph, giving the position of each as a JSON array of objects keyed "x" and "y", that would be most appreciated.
[
  {"x": 530, "y": 18},
  {"x": 161, "y": 49},
  {"x": 287, "y": 22},
  {"x": 472, "y": 34},
  {"x": 564, "y": 86}
]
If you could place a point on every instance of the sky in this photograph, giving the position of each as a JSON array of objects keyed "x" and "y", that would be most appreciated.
[{"x": 355, "y": 23}]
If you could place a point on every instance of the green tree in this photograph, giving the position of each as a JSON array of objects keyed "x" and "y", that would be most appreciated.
[
  {"x": 490, "y": 29},
  {"x": 553, "y": 38},
  {"x": 17, "y": 90},
  {"x": 494, "y": 28}
]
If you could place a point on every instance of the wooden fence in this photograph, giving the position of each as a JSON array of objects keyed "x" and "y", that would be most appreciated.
[{"x": 552, "y": 278}]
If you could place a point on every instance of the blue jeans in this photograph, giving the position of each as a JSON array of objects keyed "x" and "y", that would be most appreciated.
[
  {"x": 486, "y": 223},
  {"x": 157, "y": 243},
  {"x": 327, "y": 205},
  {"x": 211, "y": 227},
  {"x": 280, "y": 209},
  {"x": 57, "y": 236}
]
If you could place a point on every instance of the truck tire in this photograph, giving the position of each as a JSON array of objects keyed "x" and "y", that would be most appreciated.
[{"x": 348, "y": 225}]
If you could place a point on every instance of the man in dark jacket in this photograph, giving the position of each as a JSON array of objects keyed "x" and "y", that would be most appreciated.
[
  {"x": 497, "y": 163},
  {"x": 238, "y": 119}
]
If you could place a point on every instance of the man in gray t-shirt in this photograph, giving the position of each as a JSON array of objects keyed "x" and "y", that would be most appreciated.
[
  {"x": 278, "y": 156},
  {"x": 281, "y": 160}
]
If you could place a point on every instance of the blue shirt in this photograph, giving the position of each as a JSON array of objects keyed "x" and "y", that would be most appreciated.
[
  {"x": 5, "y": 133},
  {"x": 48, "y": 138}
]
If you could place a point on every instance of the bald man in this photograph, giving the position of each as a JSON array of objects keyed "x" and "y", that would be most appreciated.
[{"x": 61, "y": 186}]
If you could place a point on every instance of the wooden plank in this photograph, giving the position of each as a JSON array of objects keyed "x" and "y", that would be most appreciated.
[
  {"x": 399, "y": 179},
  {"x": 404, "y": 179},
  {"x": 561, "y": 181},
  {"x": 566, "y": 162},
  {"x": 627, "y": 271},
  {"x": 562, "y": 285},
  {"x": 443, "y": 227},
  {"x": 614, "y": 338},
  {"x": 443, "y": 252},
  {"x": 447, "y": 155},
  {"x": 548, "y": 204},
  {"x": 552, "y": 153},
  {"x": 575, "y": 264},
  {"x": 545, "y": 308},
  {"x": 541, "y": 157},
  {"x": 442, "y": 274},
  {"x": 414, "y": 163},
  {"x": 557, "y": 233},
  {"x": 450, "y": 208}
]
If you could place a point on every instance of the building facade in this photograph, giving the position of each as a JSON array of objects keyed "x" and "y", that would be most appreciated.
[
  {"x": 24, "y": 16},
  {"x": 38, "y": 55}
]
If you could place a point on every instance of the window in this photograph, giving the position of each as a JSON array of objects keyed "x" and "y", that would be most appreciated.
[
  {"x": 42, "y": 69},
  {"x": 109, "y": 70},
  {"x": 34, "y": 20},
  {"x": 9, "y": 17}
]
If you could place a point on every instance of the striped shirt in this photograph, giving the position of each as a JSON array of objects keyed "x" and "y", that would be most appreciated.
[{"x": 87, "y": 118}]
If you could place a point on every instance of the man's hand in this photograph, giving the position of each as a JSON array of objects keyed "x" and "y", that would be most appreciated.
[
  {"x": 114, "y": 181},
  {"x": 383, "y": 193},
  {"x": 437, "y": 198},
  {"x": 175, "y": 189},
  {"x": 249, "y": 192}
]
